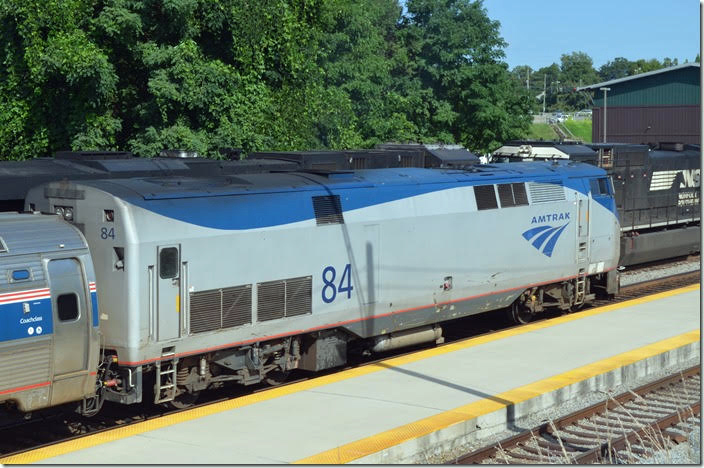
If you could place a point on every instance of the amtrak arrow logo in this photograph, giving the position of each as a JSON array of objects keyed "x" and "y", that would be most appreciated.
[{"x": 545, "y": 237}]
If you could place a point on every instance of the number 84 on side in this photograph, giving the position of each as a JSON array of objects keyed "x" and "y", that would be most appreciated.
[{"x": 333, "y": 289}]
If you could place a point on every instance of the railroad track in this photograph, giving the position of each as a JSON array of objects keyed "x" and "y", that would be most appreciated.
[
  {"x": 655, "y": 286},
  {"x": 69, "y": 426},
  {"x": 624, "y": 429}
]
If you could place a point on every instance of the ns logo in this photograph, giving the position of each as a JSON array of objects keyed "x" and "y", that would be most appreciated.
[{"x": 663, "y": 180}]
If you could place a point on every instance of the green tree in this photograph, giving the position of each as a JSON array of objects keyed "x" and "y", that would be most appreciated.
[
  {"x": 619, "y": 67},
  {"x": 548, "y": 77},
  {"x": 576, "y": 70},
  {"x": 462, "y": 90},
  {"x": 362, "y": 58},
  {"x": 58, "y": 88},
  {"x": 644, "y": 66}
]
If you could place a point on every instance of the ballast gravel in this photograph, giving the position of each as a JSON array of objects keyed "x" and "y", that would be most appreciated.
[
  {"x": 688, "y": 452},
  {"x": 636, "y": 275}
]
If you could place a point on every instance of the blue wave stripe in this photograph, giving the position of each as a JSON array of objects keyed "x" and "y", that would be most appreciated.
[
  {"x": 538, "y": 242},
  {"x": 264, "y": 206},
  {"x": 528, "y": 235},
  {"x": 550, "y": 245}
]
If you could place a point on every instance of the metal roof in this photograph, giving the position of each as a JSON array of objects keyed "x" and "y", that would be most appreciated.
[
  {"x": 158, "y": 188},
  {"x": 638, "y": 76}
]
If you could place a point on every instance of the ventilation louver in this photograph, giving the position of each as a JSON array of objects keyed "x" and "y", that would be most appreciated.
[
  {"x": 544, "y": 193},
  {"x": 216, "y": 309},
  {"x": 512, "y": 195},
  {"x": 485, "y": 196},
  {"x": 284, "y": 298},
  {"x": 328, "y": 210}
]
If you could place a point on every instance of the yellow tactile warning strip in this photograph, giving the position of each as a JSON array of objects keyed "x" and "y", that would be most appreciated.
[
  {"x": 396, "y": 436},
  {"x": 380, "y": 443}
]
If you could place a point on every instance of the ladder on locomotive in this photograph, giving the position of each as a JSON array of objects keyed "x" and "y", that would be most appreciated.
[
  {"x": 581, "y": 289},
  {"x": 166, "y": 376}
]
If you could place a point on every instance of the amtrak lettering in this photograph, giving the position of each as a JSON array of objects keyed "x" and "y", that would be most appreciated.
[{"x": 550, "y": 217}]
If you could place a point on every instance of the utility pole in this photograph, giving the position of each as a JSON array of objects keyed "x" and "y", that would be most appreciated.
[
  {"x": 528, "y": 80},
  {"x": 604, "y": 90},
  {"x": 545, "y": 77}
]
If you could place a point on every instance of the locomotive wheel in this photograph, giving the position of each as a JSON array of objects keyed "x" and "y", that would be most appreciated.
[{"x": 519, "y": 313}]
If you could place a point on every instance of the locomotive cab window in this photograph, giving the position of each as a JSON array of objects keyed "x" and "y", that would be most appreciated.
[
  {"x": 168, "y": 263},
  {"x": 599, "y": 187},
  {"x": 67, "y": 306}
]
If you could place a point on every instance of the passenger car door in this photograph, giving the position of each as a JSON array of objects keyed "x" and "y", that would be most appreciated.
[{"x": 70, "y": 314}]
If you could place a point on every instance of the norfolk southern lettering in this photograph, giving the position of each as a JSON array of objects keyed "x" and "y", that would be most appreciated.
[{"x": 549, "y": 218}]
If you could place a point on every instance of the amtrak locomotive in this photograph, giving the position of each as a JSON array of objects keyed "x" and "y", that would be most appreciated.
[
  {"x": 242, "y": 279},
  {"x": 657, "y": 191}
]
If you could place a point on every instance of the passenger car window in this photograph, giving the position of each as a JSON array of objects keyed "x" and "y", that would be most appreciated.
[
  {"x": 20, "y": 275},
  {"x": 168, "y": 263},
  {"x": 67, "y": 305}
]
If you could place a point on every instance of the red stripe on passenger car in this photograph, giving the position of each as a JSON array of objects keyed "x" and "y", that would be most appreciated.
[
  {"x": 345, "y": 322},
  {"x": 24, "y": 293},
  {"x": 25, "y": 299},
  {"x": 27, "y": 387}
]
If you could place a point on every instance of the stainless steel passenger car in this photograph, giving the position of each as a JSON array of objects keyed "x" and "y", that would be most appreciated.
[
  {"x": 49, "y": 340},
  {"x": 245, "y": 278}
]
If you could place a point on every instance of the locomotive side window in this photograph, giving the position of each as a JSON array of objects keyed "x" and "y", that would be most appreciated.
[
  {"x": 485, "y": 196},
  {"x": 168, "y": 263},
  {"x": 67, "y": 305}
]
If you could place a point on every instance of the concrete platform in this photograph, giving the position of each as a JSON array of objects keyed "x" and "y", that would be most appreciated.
[{"x": 395, "y": 410}]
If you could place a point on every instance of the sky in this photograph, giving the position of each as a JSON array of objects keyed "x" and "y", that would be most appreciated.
[{"x": 538, "y": 32}]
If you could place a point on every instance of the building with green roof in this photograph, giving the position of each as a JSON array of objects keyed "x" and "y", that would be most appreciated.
[{"x": 653, "y": 107}]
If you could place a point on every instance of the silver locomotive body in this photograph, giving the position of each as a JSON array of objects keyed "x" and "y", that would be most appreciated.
[{"x": 243, "y": 279}]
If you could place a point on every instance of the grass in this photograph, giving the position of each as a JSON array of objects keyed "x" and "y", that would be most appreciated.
[
  {"x": 541, "y": 131},
  {"x": 582, "y": 129}
]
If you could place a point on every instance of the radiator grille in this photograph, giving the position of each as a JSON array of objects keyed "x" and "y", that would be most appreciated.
[
  {"x": 543, "y": 193},
  {"x": 485, "y": 196},
  {"x": 519, "y": 194},
  {"x": 512, "y": 195},
  {"x": 328, "y": 210},
  {"x": 284, "y": 298},
  {"x": 220, "y": 308},
  {"x": 271, "y": 300},
  {"x": 359, "y": 163},
  {"x": 298, "y": 296},
  {"x": 236, "y": 306}
]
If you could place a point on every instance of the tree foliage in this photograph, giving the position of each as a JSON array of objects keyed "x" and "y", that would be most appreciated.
[
  {"x": 559, "y": 83},
  {"x": 145, "y": 75}
]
